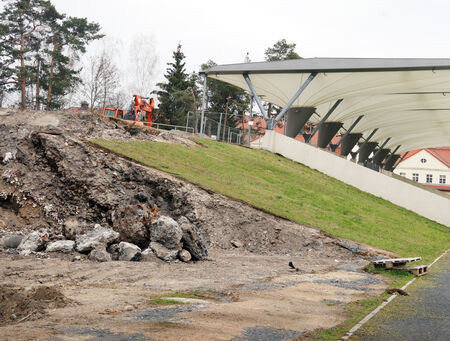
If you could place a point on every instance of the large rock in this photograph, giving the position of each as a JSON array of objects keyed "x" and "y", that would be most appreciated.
[
  {"x": 132, "y": 222},
  {"x": 65, "y": 246},
  {"x": 114, "y": 250},
  {"x": 167, "y": 232},
  {"x": 12, "y": 242},
  {"x": 148, "y": 254},
  {"x": 192, "y": 241},
  {"x": 129, "y": 252},
  {"x": 162, "y": 252},
  {"x": 35, "y": 241},
  {"x": 100, "y": 255},
  {"x": 98, "y": 238}
]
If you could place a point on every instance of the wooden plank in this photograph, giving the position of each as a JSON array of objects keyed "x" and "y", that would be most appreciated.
[{"x": 392, "y": 262}]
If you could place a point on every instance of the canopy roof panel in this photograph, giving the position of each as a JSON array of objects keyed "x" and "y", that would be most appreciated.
[{"x": 408, "y": 100}]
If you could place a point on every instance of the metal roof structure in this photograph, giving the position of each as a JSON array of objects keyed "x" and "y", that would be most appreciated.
[{"x": 397, "y": 104}]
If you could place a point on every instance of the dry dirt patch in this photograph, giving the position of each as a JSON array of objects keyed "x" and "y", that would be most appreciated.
[{"x": 18, "y": 304}]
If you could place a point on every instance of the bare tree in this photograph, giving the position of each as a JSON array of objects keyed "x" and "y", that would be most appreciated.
[
  {"x": 143, "y": 62},
  {"x": 100, "y": 81}
]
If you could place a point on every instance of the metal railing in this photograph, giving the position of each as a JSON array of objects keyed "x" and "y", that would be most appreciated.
[{"x": 173, "y": 126}]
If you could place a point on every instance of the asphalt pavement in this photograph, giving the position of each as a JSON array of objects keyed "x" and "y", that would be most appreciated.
[{"x": 423, "y": 315}]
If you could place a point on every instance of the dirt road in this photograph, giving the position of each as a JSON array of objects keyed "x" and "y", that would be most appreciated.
[{"x": 242, "y": 296}]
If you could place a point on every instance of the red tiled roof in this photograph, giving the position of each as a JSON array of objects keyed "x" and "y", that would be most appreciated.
[
  {"x": 442, "y": 154},
  {"x": 259, "y": 122}
]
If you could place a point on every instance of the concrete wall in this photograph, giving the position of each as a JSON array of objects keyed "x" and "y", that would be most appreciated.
[{"x": 427, "y": 203}]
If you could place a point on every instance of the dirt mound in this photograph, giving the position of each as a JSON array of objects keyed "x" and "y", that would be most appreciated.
[
  {"x": 64, "y": 183},
  {"x": 18, "y": 304}
]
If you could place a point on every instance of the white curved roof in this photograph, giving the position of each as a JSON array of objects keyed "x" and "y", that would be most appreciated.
[{"x": 408, "y": 100}]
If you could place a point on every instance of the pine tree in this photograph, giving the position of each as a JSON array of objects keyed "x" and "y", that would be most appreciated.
[
  {"x": 281, "y": 50},
  {"x": 226, "y": 98},
  {"x": 35, "y": 43},
  {"x": 21, "y": 22},
  {"x": 175, "y": 96}
]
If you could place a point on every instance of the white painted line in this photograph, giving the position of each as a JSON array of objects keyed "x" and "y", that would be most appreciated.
[{"x": 382, "y": 305}]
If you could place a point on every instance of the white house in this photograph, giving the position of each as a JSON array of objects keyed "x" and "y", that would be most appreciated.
[{"x": 430, "y": 166}]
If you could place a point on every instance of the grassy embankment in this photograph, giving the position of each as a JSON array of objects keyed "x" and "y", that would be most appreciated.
[{"x": 296, "y": 192}]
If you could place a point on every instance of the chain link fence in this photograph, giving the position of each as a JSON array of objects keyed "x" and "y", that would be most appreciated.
[{"x": 215, "y": 127}]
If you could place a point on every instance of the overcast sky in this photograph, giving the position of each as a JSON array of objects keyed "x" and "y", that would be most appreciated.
[{"x": 225, "y": 31}]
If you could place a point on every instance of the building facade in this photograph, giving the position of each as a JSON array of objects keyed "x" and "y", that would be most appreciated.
[{"x": 429, "y": 166}]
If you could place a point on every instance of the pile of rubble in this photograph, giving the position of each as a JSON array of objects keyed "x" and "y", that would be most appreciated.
[
  {"x": 61, "y": 192},
  {"x": 163, "y": 236}
]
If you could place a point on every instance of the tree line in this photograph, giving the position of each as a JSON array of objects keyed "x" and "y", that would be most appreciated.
[
  {"x": 40, "y": 60},
  {"x": 38, "y": 46}
]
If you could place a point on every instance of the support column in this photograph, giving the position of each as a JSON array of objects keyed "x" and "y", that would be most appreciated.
[
  {"x": 365, "y": 150},
  {"x": 390, "y": 162},
  {"x": 296, "y": 119},
  {"x": 380, "y": 156},
  {"x": 326, "y": 133},
  {"x": 348, "y": 142},
  {"x": 203, "y": 103}
]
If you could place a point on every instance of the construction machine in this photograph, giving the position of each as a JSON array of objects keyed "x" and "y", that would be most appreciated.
[{"x": 139, "y": 111}]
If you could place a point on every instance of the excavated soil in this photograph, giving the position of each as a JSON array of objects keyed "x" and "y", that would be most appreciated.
[
  {"x": 18, "y": 304},
  {"x": 56, "y": 179}
]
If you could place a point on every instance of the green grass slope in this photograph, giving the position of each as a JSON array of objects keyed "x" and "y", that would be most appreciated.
[{"x": 296, "y": 192}]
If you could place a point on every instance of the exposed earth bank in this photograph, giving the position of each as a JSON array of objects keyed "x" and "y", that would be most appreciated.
[{"x": 53, "y": 180}]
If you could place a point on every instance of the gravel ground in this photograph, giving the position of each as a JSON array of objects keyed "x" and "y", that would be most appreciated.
[
  {"x": 423, "y": 315},
  {"x": 266, "y": 334}
]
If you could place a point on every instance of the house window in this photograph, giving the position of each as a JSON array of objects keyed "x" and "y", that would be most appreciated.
[
  {"x": 415, "y": 177},
  {"x": 429, "y": 178},
  {"x": 423, "y": 160},
  {"x": 442, "y": 179},
  {"x": 402, "y": 174}
]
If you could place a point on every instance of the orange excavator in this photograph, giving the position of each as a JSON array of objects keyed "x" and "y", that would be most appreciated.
[{"x": 139, "y": 111}]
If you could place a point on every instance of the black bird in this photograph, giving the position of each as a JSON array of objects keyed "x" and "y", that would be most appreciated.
[{"x": 293, "y": 266}]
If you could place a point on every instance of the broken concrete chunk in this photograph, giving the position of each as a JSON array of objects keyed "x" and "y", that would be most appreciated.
[
  {"x": 12, "y": 242},
  {"x": 35, "y": 241},
  {"x": 100, "y": 255},
  {"x": 184, "y": 255},
  {"x": 192, "y": 241},
  {"x": 162, "y": 252},
  {"x": 114, "y": 250},
  {"x": 129, "y": 252},
  {"x": 167, "y": 232},
  {"x": 148, "y": 254},
  {"x": 132, "y": 222},
  {"x": 65, "y": 246},
  {"x": 97, "y": 238}
]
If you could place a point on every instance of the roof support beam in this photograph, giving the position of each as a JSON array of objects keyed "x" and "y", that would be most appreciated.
[
  {"x": 296, "y": 119},
  {"x": 349, "y": 129},
  {"x": 255, "y": 95},
  {"x": 391, "y": 159},
  {"x": 335, "y": 105},
  {"x": 347, "y": 143},
  {"x": 401, "y": 159},
  {"x": 365, "y": 150},
  {"x": 272, "y": 123},
  {"x": 380, "y": 149},
  {"x": 380, "y": 155},
  {"x": 326, "y": 133},
  {"x": 366, "y": 140},
  {"x": 294, "y": 98}
]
